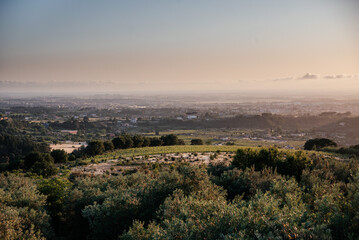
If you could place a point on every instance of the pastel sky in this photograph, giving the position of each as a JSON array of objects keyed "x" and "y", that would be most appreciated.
[{"x": 179, "y": 45}]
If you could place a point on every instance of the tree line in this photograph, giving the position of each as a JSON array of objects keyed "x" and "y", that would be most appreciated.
[
  {"x": 124, "y": 141},
  {"x": 20, "y": 152}
]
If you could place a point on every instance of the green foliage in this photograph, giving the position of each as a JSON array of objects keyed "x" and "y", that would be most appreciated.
[
  {"x": 108, "y": 146},
  {"x": 170, "y": 140},
  {"x": 55, "y": 190},
  {"x": 59, "y": 156},
  {"x": 196, "y": 141},
  {"x": 137, "y": 141},
  {"x": 14, "y": 148},
  {"x": 277, "y": 214},
  {"x": 285, "y": 163},
  {"x": 119, "y": 142},
  {"x": 22, "y": 213},
  {"x": 95, "y": 148},
  {"x": 263, "y": 194},
  {"x": 245, "y": 183},
  {"x": 294, "y": 164},
  {"x": 155, "y": 141},
  {"x": 128, "y": 142},
  {"x": 138, "y": 197},
  {"x": 318, "y": 143},
  {"x": 40, "y": 163}
]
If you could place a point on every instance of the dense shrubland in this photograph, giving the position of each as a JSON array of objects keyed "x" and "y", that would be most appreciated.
[
  {"x": 262, "y": 194},
  {"x": 23, "y": 212}
]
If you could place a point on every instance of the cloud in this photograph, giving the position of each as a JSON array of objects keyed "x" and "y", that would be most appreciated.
[
  {"x": 309, "y": 76},
  {"x": 282, "y": 79},
  {"x": 340, "y": 76},
  {"x": 15, "y": 83},
  {"x": 305, "y": 77}
]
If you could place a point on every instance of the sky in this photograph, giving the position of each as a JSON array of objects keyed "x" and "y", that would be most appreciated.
[{"x": 168, "y": 46}]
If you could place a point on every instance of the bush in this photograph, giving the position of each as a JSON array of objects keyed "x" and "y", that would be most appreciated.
[
  {"x": 155, "y": 141},
  {"x": 108, "y": 146},
  {"x": 197, "y": 141},
  {"x": 59, "y": 156},
  {"x": 284, "y": 162},
  {"x": 137, "y": 141},
  {"x": 40, "y": 163},
  {"x": 279, "y": 213},
  {"x": 171, "y": 139},
  {"x": 22, "y": 209},
  {"x": 55, "y": 190},
  {"x": 318, "y": 143},
  {"x": 95, "y": 148}
]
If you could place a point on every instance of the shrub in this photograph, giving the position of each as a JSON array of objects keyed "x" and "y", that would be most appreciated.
[
  {"x": 318, "y": 143},
  {"x": 22, "y": 209},
  {"x": 95, "y": 148},
  {"x": 197, "y": 141},
  {"x": 40, "y": 164},
  {"x": 59, "y": 156}
]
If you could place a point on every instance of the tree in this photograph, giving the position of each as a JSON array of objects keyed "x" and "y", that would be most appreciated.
[
  {"x": 137, "y": 141},
  {"x": 146, "y": 142},
  {"x": 244, "y": 158},
  {"x": 318, "y": 143},
  {"x": 169, "y": 140},
  {"x": 59, "y": 155},
  {"x": 266, "y": 157},
  {"x": 196, "y": 141},
  {"x": 56, "y": 191},
  {"x": 40, "y": 163},
  {"x": 181, "y": 142},
  {"x": 119, "y": 142},
  {"x": 128, "y": 141},
  {"x": 22, "y": 209},
  {"x": 14, "y": 148},
  {"x": 95, "y": 148},
  {"x": 108, "y": 146},
  {"x": 155, "y": 141}
]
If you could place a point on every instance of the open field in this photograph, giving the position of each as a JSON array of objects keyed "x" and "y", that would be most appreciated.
[
  {"x": 243, "y": 137},
  {"x": 135, "y": 158},
  {"x": 117, "y": 166},
  {"x": 67, "y": 146},
  {"x": 163, "y": 150}
]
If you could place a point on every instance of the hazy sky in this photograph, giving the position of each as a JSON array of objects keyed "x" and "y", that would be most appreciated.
[{"x": 167, "y": 46}]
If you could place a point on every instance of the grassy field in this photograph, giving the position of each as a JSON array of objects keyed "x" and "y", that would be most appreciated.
[
  {"x": 236, "y": 136},
  {"x": 163, "y": 150}
]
